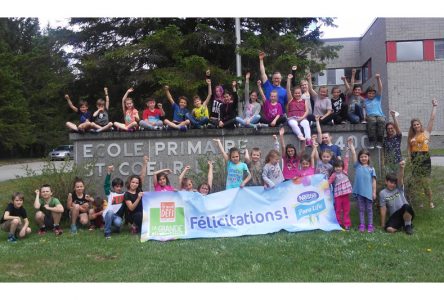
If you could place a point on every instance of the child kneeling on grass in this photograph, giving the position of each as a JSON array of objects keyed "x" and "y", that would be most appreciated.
[
  {"x": 49, "y": 212},
  {"x": 115, "y": 207},
  {"x": 15, "y": 220},
  {"x": 393, "y": 198}
]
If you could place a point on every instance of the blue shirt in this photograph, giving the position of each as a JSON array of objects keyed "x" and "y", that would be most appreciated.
[
  {"x": 373, "y": 107},
  {"x": 235, "y": 174},
  {"x": 363, "y": 180},
  {"x": 282, "y": 93},
  {"x": 179, "y": 113}
]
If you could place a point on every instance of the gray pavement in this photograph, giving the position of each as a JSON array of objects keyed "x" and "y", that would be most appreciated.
[{"x": 8, "y": 172}]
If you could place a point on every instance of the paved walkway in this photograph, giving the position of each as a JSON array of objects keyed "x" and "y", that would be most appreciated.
[{"x": 19, "y": 170}]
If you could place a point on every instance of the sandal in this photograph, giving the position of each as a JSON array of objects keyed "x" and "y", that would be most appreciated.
[{"x": 432, "y": 205}]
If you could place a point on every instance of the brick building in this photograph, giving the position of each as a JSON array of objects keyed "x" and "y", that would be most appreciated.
[{"x": 409, "y": 55}]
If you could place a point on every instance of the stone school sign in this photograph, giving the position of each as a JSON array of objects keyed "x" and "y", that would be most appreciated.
[{"x": 174, "y": 149}]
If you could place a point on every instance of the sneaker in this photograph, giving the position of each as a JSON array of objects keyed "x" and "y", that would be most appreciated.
[
  {"x": 308, "y": 142},
  {"x": 211, "y": 126},
  {"x": 370, "y": 228},
  {"x": 183, "y": 128},
  {"x": 133, "y": 229},
  {"x": 364, "y": 122},
  {"x": 108, "y": 236},
  {"x": 347, "y": 228},
  {"x": 432, "y": 205},
  {"x": 42, "y": 231},
  {"x": 408, "y": 229},
  {"x": 361, "y": 228},
  {"x": 57, "y": 230},
  {"x": 371, "y": 146},
  {"x": 379, "y": 145},
  {"x": 301, "y": 138},
  {"x": 12, "y": 239},
  {"x": 73, "y": 229},
  {"x": 91, "y": 227}
]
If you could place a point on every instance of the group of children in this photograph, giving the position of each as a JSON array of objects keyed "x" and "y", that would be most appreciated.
[
  {"x": 269, "y": 106},
  {"x": 119, "y": 205}
]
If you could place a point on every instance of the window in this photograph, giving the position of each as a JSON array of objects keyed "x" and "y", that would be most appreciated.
[
  {"x": 367, "y": 70},
  {"x": 333, "y": 76},
  {"x": 408, "y": 51},
  {"x": 439, "y": 49}
]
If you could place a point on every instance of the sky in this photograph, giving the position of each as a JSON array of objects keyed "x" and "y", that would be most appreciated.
[{"x": 347, "y": 26}]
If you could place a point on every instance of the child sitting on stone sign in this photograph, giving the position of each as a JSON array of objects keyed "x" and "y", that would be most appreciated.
[
  {"x": 85, "y": 116},
  {"x": 130, "y": 114},
  {"x": 179, "y": 122},
  {"x": 151, "y": 116},
  {"x": 101, "y": 117}
]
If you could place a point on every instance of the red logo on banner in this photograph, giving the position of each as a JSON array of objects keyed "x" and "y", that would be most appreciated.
[{"x": 167, "y": 211}]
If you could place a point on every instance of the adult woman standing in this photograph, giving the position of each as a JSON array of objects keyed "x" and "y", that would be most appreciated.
[
  {"x": 392, "y": 145},
  {"x": 418, "y": 150}
]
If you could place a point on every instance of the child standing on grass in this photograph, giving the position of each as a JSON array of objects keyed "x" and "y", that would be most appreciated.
[
  {"x": 255, "y": 166},
  {"x": 130, "y": 114},
  {"x": 151, "y": 116},
  {"x": 85, "y": 116},
  {"x": 180, "y": 111},
  {"x": 15, "y": 220},
  {"x": 323, "y": 165},
  {"x": 49, "y": 212},
  {"x": 161, "y": 182},
  {"x": 272, "y": 173},
  {"x": 133, "y": 201},
  {"x": 101, "y": 117},
  {"x": 290, "y": 156},
  {"x": 342, "y": 189},
  {"x": 78, "y": 204},
  {"x": 235, "y": 168},
  {"x": 364, "y": 186},
  {"x": 307, "y": 163},
  {"x": 115, "y": 207},
  {"x": 205, "y": 187}
]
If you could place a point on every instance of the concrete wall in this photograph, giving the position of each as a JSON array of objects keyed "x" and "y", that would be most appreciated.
[
  {"x": 173, "y": 149},
  {"x": 348, "y": 55},
  {"x": 399, "y": 29}
]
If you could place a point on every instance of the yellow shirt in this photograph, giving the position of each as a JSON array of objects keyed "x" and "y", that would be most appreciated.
[
  {"x": 200, "y": 112},
  {"x": 421, "y": 143}
]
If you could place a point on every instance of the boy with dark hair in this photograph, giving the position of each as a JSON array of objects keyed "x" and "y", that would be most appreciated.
[
  {"x": 49, "y": 212},
  {"x": 15, "y": 220},
  {"x": 115, "y": 206},
  {"x": 392, "y": 197}
]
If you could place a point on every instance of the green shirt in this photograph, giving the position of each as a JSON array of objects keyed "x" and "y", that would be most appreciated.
[{"x": 53, "y": 202}]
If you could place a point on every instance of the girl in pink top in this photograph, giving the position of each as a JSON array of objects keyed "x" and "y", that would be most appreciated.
[
  {"x": 273, "y": 112},
  {"x": 161, "y": 182},
  {"x": 307, "y": 164},
  {"x": 131, "y": 115},
  {"x": 297, "y": 112},
  {"x": 290, "y": 157}
]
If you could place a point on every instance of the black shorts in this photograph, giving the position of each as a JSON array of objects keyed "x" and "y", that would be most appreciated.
[
  {"x": 49, "y": 221},
  {"x": 421, "y": 164},
  {"x": 396, "y": 220}
]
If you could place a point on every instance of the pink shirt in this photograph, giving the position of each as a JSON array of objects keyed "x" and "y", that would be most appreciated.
[
  {"x": 130, "y": 116},
  {"x": 166, "y": 188},
  {"x": 290, "y": 167},
  {"x": 271, "y": 110},
  {"x": 305, "y": 172},
  {"x": 296, "y": 108}
]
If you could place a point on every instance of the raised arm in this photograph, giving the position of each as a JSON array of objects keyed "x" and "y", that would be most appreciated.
[
  {"x": 168, "y": 94},
  {"x": 347, "y": 86},
  {"x": 318, "y": 129},
  {"x": 310, "y": 86},
  {"x": 166, "y": 171},
  {"x": 146, "y": 159},
  {"x": 182, "y": 175},
  {"x": 352, "y": 79},
  {"x": 261, "y": 91},
  {"x": 395, "y": 122},
  {"x": 37, "y": 199},
  {"x": 221, "y": 148},
  {"x": 281, "y": 139},
  {"x": 210, "y": 174},
  {"x": 314, "y": 155},
  {"x": 107, "y": 182},
  {"x": 432, "y": 115},
  {"x": 401, "y": 173},
  {"x": 160, "y": 107},
  {"x": 210, "y": 93},
  {"x": 289, "y": 95},
  {"x": 352, "y": 150},
  {"x": 262, "y": 67},
  {"x": 70, "y": 103},
  {"x": 130, "y": 90},
  {"x": 379, "y": 82},
  {"x": 293, "y": 72},
  {"x": 247, "y": 88},
  {"x": 105, "y": 89},
  {"x": 247, "y": 156}
]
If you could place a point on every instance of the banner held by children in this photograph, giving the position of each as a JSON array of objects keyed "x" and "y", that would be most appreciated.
[{"x": 298, "y": 205}]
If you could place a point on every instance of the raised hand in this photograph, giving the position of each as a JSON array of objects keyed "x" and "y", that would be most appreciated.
[
  {"x": 110, "y": 169},
  {"x": 377, "y": 76},
  {"x": 281, "y": 131},
  {"x": 259, "y": 83},
  {"x": 434, "y": 102},
  {"x": 294, "y": 68},
  {"x": 261, "y": 55},
  {"x": 159, "y": 105},
  {"x": 130, "y": 90},
  {"x": 247, "y": 76},
  {"x": 289, "y": 76},
  {"x": 208, "y": 81}
]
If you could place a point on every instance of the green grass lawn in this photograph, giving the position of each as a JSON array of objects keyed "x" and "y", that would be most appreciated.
[{"x": 282, "y": 257}]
